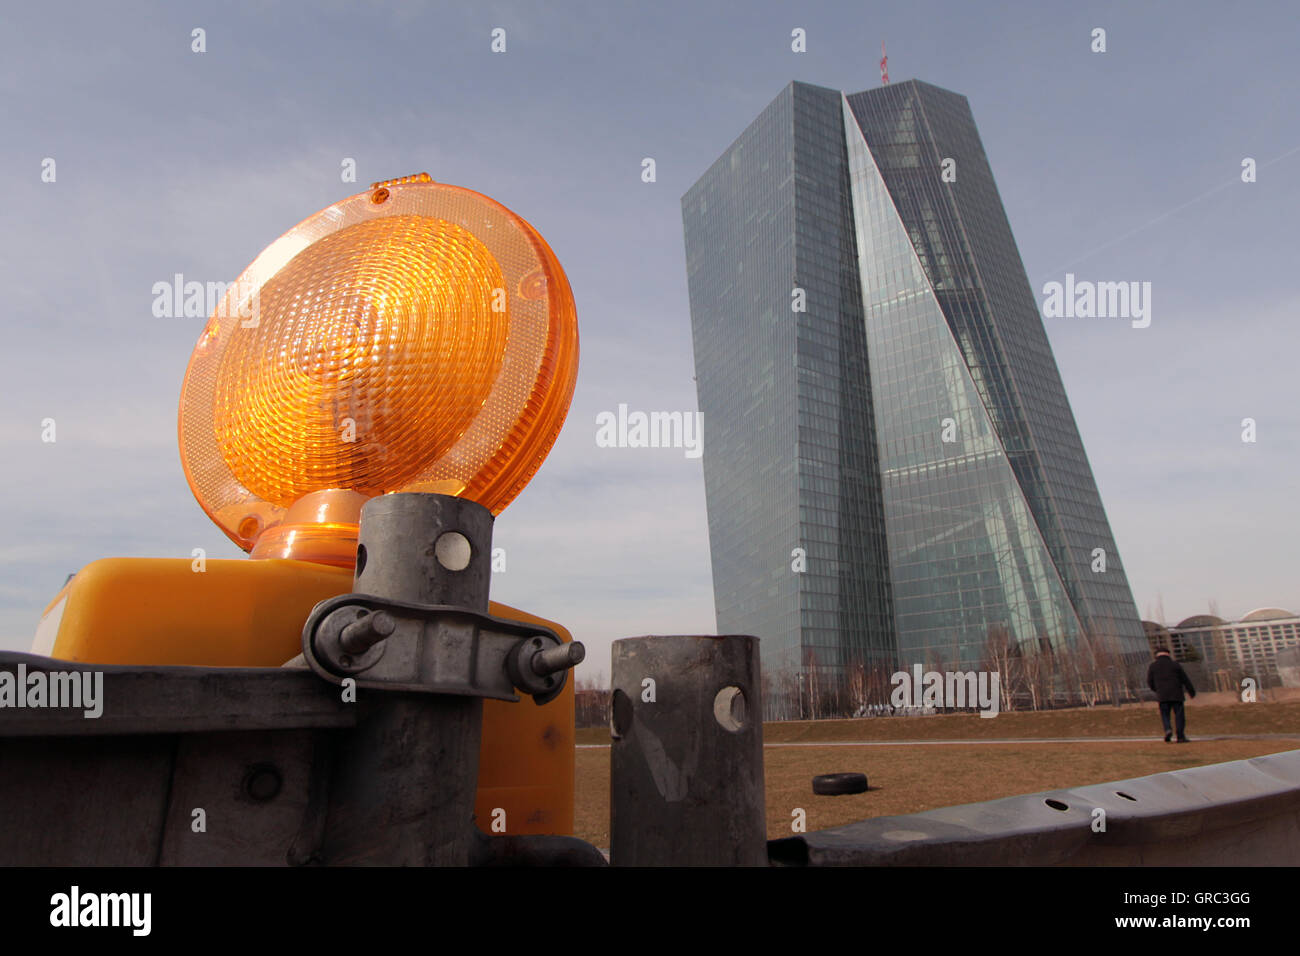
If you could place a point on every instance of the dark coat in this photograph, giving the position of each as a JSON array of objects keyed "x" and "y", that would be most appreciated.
[{"x": 1167, "y": 678}]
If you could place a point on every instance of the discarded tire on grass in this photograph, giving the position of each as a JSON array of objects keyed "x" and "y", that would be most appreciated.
[{"x": 836, "y": 784}]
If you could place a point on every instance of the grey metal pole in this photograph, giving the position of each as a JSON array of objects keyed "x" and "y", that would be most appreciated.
[
  {"x": 404, "y": 789},
  {"x": 430, "y": 549},
  {"x": 686, "y": 759}
]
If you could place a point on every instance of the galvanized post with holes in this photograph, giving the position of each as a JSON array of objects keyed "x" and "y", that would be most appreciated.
[
  {"x": 416, "y": 640},
  {"x": 414, "y": 755},
  {"x": 686, "y": 758}
]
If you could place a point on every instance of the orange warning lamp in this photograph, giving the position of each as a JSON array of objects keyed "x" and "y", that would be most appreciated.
[{"x": 415, "y": 337}]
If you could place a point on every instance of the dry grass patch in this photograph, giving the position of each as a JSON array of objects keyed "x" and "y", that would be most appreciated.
[
  {"x": 911, "y": 779},
  {"x": 1133, "y": 720}
]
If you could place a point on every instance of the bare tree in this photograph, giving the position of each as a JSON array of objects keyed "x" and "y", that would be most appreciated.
[
  {"x": 1000, "y": 656},
  {"x": 1089, "y": 669},
  {"x": 590, "y": 701},
  {"x": 811, "y": 683},
  {"x": 786, "y": 700},
  {"x": 1031, "y": 665},
  {"x": 855, "y": 688}
]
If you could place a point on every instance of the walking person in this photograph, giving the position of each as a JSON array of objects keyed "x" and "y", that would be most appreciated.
[{"x": 1167, "y": 678}]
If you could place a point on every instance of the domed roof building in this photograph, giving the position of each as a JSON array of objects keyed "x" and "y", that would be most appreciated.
[
  {"x": 1199, "y": 620},
  {"x": 1248, "y": 647},
  {"x": 1267, "y": 614}
]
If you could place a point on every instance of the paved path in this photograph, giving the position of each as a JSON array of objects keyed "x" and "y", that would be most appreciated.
[{"x": 993, "y": 740}]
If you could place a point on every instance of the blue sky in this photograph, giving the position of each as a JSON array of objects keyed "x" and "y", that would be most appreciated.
[{"x": 1116, "y": 166}]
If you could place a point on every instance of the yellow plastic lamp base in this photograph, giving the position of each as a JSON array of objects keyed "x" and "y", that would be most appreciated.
[{"x": 250, "y": 614}]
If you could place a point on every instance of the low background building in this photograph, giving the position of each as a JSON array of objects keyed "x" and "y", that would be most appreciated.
[{"x": 1220, "y": 653}]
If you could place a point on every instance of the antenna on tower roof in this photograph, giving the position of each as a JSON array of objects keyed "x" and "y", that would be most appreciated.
[{"x": 884, "y": 65}]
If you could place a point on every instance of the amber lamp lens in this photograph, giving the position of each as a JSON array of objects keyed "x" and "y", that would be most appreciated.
[{"x": 417, "y": 337}]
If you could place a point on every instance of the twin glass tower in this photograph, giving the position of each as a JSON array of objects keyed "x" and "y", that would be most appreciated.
[{"x": 892, "y": 469}]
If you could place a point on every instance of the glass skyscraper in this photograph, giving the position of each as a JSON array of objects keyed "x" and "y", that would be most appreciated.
[{"x": 893, "y": 473}]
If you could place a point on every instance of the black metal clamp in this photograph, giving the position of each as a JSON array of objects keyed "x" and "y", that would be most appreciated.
[{"x": 385, "y": 644}]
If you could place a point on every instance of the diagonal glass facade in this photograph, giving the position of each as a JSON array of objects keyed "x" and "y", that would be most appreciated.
[
  {"x": 845, "y": 600},
  {"x": 893, "y": 469},
  {"x": 964, "y": 549},
  {"x": 963, "y": 242}
]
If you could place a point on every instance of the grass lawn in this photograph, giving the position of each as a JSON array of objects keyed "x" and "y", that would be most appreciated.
[{"x": 1133, "y": 720}]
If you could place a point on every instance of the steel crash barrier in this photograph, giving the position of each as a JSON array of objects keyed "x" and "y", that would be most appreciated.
[{"x": 1243, "y": 813}]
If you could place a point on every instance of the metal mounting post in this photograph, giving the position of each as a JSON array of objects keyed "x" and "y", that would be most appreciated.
[
  {"x": 416, "y": 639},
  {"x": 686, "y": 759},
  {"x": 407, "y": 789}
]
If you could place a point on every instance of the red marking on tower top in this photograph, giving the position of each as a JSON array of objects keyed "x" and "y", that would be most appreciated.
[{"x": 884, "y": 65}]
